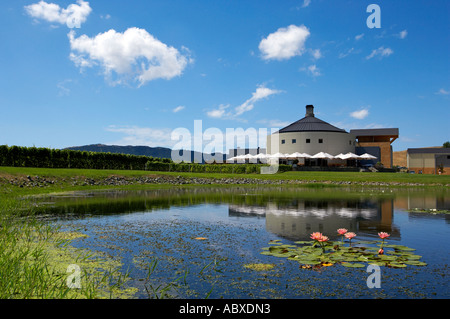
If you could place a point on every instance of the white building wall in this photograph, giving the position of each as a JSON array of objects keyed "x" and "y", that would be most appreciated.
[{"x": 332, "y": 143}]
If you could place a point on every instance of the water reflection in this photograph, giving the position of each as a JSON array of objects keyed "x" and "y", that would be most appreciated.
[
  {"x": 290, "y": 213},
  {"x": 297, "y": 220}
]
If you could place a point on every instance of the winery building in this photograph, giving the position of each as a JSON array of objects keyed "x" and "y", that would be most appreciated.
[
  {"x": 312, "y": 135},
  {"x": 430, "y": 160}
]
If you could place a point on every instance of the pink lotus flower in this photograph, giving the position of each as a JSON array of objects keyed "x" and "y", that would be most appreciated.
[
  {"x": 323, "y": 238},
  {"x": 316, "y": 236},
  {"x": 383, "y": 235},
  {"x": 350, "y": 235},
  {"x": 342, "y": 231}
]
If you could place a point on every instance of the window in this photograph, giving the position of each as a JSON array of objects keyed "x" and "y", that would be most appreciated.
[
  {"x": 283, "y": 141},
  {"x": 294, "y": 141},
  {"x": 320, "y": 140},
  {"x": 308, "y": 140},
  {"x": 350, "y": 142}
]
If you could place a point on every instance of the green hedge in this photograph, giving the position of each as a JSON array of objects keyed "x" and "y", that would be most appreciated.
[
  {"x": 17, "y": 156},
  {"x": 54, "y": 158},
  {"x": 212, "y": 168}
]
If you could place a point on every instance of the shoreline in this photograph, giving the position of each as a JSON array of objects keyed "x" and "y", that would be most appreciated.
[{"x": 27, "y": 181}]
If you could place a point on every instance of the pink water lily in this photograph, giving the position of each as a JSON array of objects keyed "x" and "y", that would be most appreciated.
[
  {"x": 316, "y": 235},
  {"x": 342, "y": 231},
  {"x": 320, "y": 238},
  {"x": 350, "y": 235},
  {"x": 383, "y": 235}
]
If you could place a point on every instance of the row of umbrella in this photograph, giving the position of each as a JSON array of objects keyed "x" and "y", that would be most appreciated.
[{"x": 298, "y": 155}]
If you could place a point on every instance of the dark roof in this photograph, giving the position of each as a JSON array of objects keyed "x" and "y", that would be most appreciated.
[
  {"x": 429, "y": 150},
  {"x": 310, "y": 124},
  {"x": 375, "y": 132}
]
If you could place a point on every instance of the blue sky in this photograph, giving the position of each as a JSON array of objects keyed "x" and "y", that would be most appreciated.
[{"x": 130, "y": 72}]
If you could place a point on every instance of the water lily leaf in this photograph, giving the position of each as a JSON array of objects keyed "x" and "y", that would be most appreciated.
[
  {"x": 387, "y": 258},
  {"x": 365, "y": 242},
  {"x": 302, "y": 242},
  {"x": 353, "y": 265},
  {"x": 268, "y": 253},
  {"x": 400, "y": 247},
  {"x": 260, "y": 267},
  {"x": 415, "y": 263},
  {"x": 309, "y": 262},
  {"x": 396, "y": 265}
]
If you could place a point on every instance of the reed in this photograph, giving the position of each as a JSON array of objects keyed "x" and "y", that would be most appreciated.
[{"x": 34, "y": 258}]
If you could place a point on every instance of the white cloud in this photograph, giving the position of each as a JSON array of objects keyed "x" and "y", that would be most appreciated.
[
  {"x": 348, "y": 52},
  {"x": 316, "y": 54},
  {"x": 134, "y": 54},
  {"x": 143, "y": 136},
  {"x": 313, "y": 70},
  {"x": 361, "y": 114},
  {"x": 403, "y": 34},
  {"x": 261, "y": 93},
  {"x": 178, "y": 109},
  {"x": 63, "y": 89},
  {"x": 73, "y": 16},
  {"x": 218, "y": 113},
  {"x": 306, "y": 3},
  {"x": 443, "y": 92},
  {"x": 381, "y": 52},
  {"x": 359, "y": 36},
  {"x": 285, "y": 43}
]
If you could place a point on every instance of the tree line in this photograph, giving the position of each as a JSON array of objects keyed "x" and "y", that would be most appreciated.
[{"x": 19, "y": 156}]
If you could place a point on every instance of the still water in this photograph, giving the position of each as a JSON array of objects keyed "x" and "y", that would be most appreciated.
[{"x": 199, "y": 242}]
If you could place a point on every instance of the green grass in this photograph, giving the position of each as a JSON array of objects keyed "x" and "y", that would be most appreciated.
[
  {"x": 34, "y": 258},
  {"x": 7, "y": 173}
]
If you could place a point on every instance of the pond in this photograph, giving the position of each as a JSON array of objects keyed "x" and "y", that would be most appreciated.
[{"x": 210, "y": 243}]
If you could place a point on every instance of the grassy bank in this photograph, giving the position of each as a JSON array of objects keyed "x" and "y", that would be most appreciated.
[
  {"x": 35, "y": 260},
  {"x": 20, "y": 181},
  {"x": 35, "y": 256}
]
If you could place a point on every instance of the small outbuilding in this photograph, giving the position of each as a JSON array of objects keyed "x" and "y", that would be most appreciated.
[{"x": 430, "y": 160}]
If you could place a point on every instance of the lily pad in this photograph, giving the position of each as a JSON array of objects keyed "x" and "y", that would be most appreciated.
[
  {"x": 397, "y": 265},
  {"x": 353, "y": 265},
  {"x": 311, "y": 253},
  {"x": 260, "y": 267},
  {"x": 415, "y": 263}
]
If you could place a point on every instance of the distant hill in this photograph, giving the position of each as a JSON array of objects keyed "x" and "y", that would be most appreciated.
[{"x": 160, "y": 152}]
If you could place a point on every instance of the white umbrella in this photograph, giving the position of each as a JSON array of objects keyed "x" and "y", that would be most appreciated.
[
  {"x": 236, "y": 158},
  {"x": 323, "y": 155},
  {"x": 340, "y": 156},
  {"x": 350, "y": 155},
  {"x": 367, "y": 156},
  {"x": 277, "y": 155},
  {"x": 295, "y": 155},
  {"x": 306, "y": 155}
]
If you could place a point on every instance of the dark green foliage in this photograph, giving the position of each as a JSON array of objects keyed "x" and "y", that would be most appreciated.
[{"x": 16, "y": 156}]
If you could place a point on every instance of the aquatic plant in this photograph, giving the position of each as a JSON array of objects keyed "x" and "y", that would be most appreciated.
[{"x": 321, "y": 252}]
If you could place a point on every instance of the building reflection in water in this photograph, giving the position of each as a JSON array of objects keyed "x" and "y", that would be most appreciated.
[{"x": 299, "y": 218}]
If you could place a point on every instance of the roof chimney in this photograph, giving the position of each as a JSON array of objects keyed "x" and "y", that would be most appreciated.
[{"x": 310, "y": 110}]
